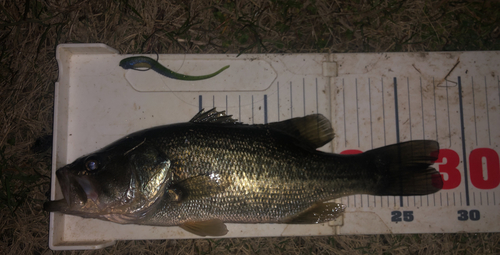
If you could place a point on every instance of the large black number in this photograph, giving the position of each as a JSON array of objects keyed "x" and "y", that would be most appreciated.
[
  {"x": 396, "y": 216},
  {"x": 407, "y": 216},
  {"x": 464, "y": 215},
  {"x": 474, "y": 215}
]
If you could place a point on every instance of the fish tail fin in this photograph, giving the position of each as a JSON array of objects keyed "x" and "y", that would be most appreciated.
[{"x": 404, "y": 169}]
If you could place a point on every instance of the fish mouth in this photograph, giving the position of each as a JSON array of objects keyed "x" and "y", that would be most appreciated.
[{"x": 75, "y": 189}]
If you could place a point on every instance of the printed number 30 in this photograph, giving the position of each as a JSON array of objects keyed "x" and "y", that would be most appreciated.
[{"x": 464, "y": 215}]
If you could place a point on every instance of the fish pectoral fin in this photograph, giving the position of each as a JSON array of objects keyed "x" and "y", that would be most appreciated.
[
  {"x": 318, "y": 213},
  {"x": 312, "y": 131},
  {"x": 214, "y": 227},
  {"x": 200, "y": 186}
]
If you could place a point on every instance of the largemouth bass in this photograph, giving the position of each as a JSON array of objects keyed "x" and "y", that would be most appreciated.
[{"x": 214, "y": 170}]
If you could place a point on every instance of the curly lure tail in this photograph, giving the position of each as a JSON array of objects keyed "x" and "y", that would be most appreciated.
[{"x": 146, "y": 62}]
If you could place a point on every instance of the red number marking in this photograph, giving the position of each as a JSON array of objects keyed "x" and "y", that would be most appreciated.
[
  {"x": 453, "y": 177},
  {"x": 350, "y": 152},
  {"x": 477, "y": 178}
]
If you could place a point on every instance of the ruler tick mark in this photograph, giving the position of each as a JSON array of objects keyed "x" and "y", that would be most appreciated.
[
  {"x": 370, "y": 103},
  {"x": 448, "y": 108},
  {"x": 474, "y": 107},
  {"x": 278, "y": 92},
  {"x": 200, "y": 103},
  {"x": 409, "y": 104},
  {"x": 435, "y": 109},
  {"x": 317, "y": 104},
  {"x": 464, "y": 155},
  {"x": 422, "y": 104},
  {"x": 397, "y": 125},
  {"x": 265, "y": 109},
  {"x": 487, "y": 110},
  {"x": 304, "y": 94},
  {"x": 396, "y": 108},
  {"x": 343, "y": 101},
  {"x": 291, "y": 101},
  {"x": 252, "y": 111},
  {"x": 383, "y": 108},
  {"x": 357, "y": 108}
]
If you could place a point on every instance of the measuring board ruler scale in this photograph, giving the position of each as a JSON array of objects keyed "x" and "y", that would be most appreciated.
[
  {"x": 425, "y": 99},
  {"x": 372, "y": 100},
  {"x": 371, "y": 110}
]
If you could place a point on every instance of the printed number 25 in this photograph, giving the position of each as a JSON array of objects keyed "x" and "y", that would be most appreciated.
[{"x": 407, "y": 216}]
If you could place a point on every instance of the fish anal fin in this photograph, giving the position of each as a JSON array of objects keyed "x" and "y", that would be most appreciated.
[
  {"x": 312, "y": 131},
  {"x": 213, "y": 227},
  {"x": 318, "y": 213},
  {"x": 199, "y": 186}
]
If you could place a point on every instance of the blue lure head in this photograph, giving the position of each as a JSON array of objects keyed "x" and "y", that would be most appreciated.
[{"x": 136, "y": 62}]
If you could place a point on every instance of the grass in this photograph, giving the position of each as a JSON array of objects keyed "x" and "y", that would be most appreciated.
[
  {"x": 15, "y": 185},
  {"x": 31, "y": 29}
]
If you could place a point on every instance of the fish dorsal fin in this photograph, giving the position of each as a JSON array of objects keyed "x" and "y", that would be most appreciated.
[
  {"x": 213, "y": 116},
  {"x": 214, "y": 227},
  {"x": 318, "y": 213},
  {"x": 199, "y": 186},
  {"x": 313, "y": 130}
]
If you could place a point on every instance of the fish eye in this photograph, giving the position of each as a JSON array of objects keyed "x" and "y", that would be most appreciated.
[{"x": 92, "y": 164}]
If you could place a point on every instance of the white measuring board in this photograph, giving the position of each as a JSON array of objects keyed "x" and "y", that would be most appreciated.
[
  {"x": 453, "y": 98},
  {"x": 372, "y": 100}
]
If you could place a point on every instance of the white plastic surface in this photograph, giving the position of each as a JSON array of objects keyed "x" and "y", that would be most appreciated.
[
  {"x": 428, "y": 107},
  {"x": 98, "y": 102}
]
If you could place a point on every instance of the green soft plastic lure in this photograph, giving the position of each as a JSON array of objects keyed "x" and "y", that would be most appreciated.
[{"x": 145, "y": 62}]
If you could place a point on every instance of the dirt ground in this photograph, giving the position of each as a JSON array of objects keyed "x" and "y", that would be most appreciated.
[{"x": 30, "y": 30}]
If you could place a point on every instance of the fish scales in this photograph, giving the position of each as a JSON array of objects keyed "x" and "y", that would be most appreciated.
[{"x": 265, "y": 169}]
